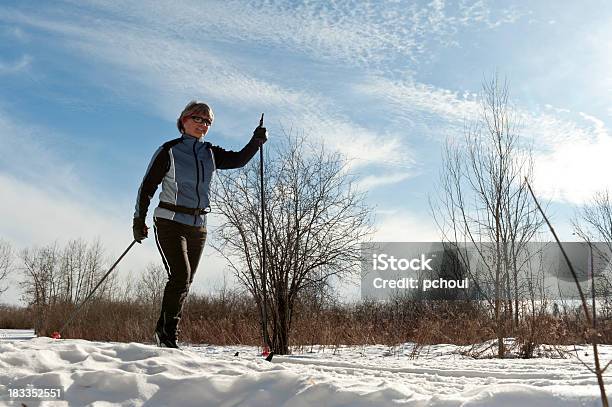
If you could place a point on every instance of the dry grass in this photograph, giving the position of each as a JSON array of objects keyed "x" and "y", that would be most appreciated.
[{"x": 232, "y": 318}]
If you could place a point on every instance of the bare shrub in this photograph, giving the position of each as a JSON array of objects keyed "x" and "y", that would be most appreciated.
[
  {"x": 315, "y": 220},
  {"x": 6, "y": 262},
  {"x": 150, "y": 287}
]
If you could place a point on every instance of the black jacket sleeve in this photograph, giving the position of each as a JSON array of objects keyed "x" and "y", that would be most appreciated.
[
  {"x": 158, "y": 167},
  {"x": 225, "y": 160}
]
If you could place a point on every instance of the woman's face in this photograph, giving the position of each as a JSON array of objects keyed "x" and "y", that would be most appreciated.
[{"x": 197, "y": 125}]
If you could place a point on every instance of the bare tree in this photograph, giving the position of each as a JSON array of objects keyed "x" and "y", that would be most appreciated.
[
  {"x": 54, "y": 275},
  {"x": 81, "y": 268},
  {"x": 150, "y": 286},
  {"x": 484, "y": 202},
  {"x": 315, "y": 220},
  {"x": 41, "y": 280},
  {"x": 593, "y": 224},
  {"x": 6, "y": 262}
]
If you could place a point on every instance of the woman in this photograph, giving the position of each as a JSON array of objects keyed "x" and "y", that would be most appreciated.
[{"x": 185, "y": 167}]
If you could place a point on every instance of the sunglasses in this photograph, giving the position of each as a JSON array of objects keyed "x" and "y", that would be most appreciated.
[{"x": 199, "y": 119}]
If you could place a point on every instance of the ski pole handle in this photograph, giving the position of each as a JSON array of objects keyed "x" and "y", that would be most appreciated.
[{"x": 261, "y": 120}]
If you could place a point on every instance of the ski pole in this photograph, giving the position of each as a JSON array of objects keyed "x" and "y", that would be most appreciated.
[
  {"x": 57, "y": 334},
  {"x": 263, "y": 240}
]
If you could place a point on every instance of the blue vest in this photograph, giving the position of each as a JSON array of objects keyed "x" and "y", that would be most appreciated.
[{"x": 187, "y": 181}]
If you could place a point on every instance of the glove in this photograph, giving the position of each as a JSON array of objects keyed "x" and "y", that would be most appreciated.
[
  {"x": 260, "y": 135},
  {"x": 140, "y": 229}
]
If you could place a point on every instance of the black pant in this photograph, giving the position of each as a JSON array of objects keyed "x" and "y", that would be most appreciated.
[{"x": 180, "y": 247}]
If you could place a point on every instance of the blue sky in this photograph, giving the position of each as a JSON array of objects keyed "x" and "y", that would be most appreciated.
[{"x": 89, "y": 89}]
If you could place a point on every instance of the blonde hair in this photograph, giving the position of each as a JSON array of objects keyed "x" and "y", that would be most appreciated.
[{"x": 194, "y": 107}]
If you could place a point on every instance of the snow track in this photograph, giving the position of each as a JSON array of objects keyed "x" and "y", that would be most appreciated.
[{"x": 449, "y": 372}]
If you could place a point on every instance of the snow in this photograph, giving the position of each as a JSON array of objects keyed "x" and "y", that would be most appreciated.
[
  {"x": 17, "y": 334},
  {"x": 132, "y": 374}
]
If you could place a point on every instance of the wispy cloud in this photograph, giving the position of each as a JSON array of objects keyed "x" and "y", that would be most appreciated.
[
  {"x": 577, "y": 166},
  {"x": 570, "y": 148},
  {"x": 34, "y": 161},
  {"x": 363, "y": 33},
  {"x": 399, "y": 225},
  {"x": 412, "y": 101},
  {"x": 15, "y": 33},
  {"x": 373, "y": 181},
  {"x": 17, "y": 66},
  {"x": 164, "y": 54},
  {"x": 44, "y": 198},
  {"x": 162, "y": 65}
]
